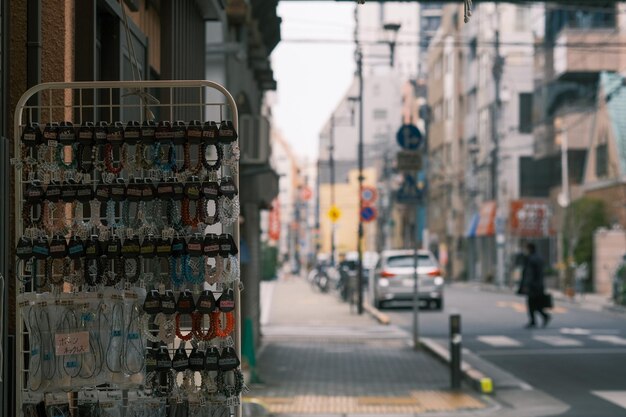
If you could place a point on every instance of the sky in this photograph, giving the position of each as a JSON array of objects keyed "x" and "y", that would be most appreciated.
[{"x": 312, "y": 77}]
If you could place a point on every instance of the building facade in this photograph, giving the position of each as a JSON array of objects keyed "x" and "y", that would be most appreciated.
[
  {"x": 479, "y": 131},
  {"x": 66, "y": 41}
]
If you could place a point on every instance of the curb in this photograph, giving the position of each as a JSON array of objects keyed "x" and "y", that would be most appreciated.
[
  {"x": 479, "y": 381},
  {"x": 381, "y": 317}
]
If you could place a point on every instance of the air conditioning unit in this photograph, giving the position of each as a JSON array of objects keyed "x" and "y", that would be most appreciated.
[{"x": 254, "y": 139}]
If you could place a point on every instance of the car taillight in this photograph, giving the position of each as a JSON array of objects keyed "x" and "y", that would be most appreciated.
[
  {"x": 386, "y": 274},
  {"x": 434, "y": 273}
]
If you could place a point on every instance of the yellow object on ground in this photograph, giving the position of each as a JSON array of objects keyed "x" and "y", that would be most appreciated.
[{"x": 417, "y": 402}]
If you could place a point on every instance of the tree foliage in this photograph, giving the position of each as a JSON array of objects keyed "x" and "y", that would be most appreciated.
[{"x": 583, "y": 217}]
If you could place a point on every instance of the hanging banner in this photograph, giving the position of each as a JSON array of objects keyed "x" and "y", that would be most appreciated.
[
  {"x": 529, "y": 218},
  {"x": 274, "y": 221}
]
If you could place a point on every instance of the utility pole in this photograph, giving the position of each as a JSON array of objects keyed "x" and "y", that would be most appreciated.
[
  {"x": 495, "y": 124},
  {"x": 359, "y": 68},
  {"x": 331, "y": 163}
]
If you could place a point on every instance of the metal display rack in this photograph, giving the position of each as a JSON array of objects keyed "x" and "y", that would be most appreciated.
[{"x": 116, "y": 101}]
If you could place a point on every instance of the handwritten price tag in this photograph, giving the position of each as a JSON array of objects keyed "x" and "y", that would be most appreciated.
[{"x": 71, "y": 343}]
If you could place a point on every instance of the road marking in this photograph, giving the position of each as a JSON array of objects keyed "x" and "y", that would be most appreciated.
[
  {"x": 520, "y": 307},
  {"x": 575, "y": 331},
  {"x": 552, "y": 351},
  {"x": 614, "y": 340},
  {"x": 499, "y": 341},
  {"x": 615, "y": 397},
  {"x": 558, "y": 341}
]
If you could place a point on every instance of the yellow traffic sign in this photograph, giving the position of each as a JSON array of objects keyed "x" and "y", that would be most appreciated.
[{"x": 334, "y": 214}]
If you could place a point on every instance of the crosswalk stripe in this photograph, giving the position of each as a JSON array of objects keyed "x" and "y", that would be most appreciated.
[
  {"x": 615, "y": 397},
  {"x": 557, "y": 341},
  {"x": 614, "y": 340},
  {"x": 499, "y": 341}
]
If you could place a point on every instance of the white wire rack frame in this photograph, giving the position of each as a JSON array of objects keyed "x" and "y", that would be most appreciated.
[{"x": 118, "y": 101}]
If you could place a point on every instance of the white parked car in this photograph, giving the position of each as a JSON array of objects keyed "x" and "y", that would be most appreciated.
[{"x": 393, "y": 278}]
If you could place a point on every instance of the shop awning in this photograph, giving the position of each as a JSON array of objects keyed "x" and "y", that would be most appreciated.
[{"x": 486, "y": 222}]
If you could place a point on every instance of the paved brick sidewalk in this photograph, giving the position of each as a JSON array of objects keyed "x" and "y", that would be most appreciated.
[{"x": 319, "y": 358}]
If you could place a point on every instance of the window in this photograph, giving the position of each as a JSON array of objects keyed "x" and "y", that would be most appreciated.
[
  {"x": 525, "y": 113},
  {"x": 602, "y": 160},
  {"x": 473, "y": 46},
  {"x": 404, "y": 261},
  {"x": 380, "y": 114}
]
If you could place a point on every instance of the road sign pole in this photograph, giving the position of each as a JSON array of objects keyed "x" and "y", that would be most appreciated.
[{"x": 416, "y": 301}]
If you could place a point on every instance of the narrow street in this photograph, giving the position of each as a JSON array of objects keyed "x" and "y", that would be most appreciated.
[{"x": 577, "y": 359}]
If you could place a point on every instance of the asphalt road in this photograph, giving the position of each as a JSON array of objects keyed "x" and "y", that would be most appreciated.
[{"x": 580, "y": 358}]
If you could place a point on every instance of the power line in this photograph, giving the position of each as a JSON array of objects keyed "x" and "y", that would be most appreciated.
[{"x": 490, "y": 44}]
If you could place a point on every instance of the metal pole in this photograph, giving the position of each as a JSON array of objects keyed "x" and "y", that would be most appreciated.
[
  {"x": 359, "y": 66},
  {"x": 331, "y": 162},
  {"x": 565, "y": 203},
  {"x": 416, "y": 300},
  {"x": 497, "y": 76},
  {"x": 455, "y": 351}
]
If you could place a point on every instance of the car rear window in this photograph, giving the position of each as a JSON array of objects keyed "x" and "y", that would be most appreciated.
[{"x": 406, "y": 261}]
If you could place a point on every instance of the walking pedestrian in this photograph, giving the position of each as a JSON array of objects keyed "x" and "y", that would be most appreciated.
[{"x": 532, "y": 286}]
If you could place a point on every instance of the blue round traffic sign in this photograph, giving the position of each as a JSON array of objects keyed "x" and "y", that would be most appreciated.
[
  {"x": 409, "y": 137},
  {"x": 368, "y": 214}
]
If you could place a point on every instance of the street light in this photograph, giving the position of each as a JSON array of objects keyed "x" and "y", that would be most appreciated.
[{"x": 391, "y": 32}]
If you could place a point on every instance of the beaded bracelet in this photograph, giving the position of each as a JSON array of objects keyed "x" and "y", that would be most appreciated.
[
  {"x": 229, "y": 210},
  {"x": 216, "y": 323},
  {"x": 60, "y": 155},
  {"x": 187, "y": 220},
  {"x": 193, "y": 275},
  {"x": 51, "y": 225},
  {"x": 205, "y": 217},
  {"x": 187, "y": 166},
  {"x": 176, "y": 278},
  {"x": 108, "y": 159},
  {"x": 140, "y": 157},
  {"x": 179, "y": 334},
  {"x": 218, "y": 162},
  {"x": 174, "y": 216},
  {"x": 197, "y": 327},
  {"x": 145, "y": 328},
  {"x": 157, "y": 157},
  {"x": 212, "y": 275},
  {"x": 229, "y": 390},
  {"x": 231, "y": 269},
  {"x": 86, "y": 168}
]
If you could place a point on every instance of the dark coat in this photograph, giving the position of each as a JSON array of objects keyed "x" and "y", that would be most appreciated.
[{"x": 532, "y": 277}]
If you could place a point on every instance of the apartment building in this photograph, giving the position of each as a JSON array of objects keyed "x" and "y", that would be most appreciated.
[
  {"x": 479, "y": 130},
  {"x": 573, "y": 51}
]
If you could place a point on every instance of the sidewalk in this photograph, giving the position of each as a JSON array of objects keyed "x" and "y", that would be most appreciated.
[{"x": 318, "y": 358}]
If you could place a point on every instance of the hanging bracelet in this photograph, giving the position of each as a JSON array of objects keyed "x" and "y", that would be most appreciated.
[
  {"x": 187, "y": 164},
  {"x": 108, "y": 158},
  {"x": 229, "y": 210},
  {"x": 197, "y": 327},
  {"x": 217, "y": 163},
  {"x": 216, "y": 324},
  {"x": 179, "y": 334}
]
